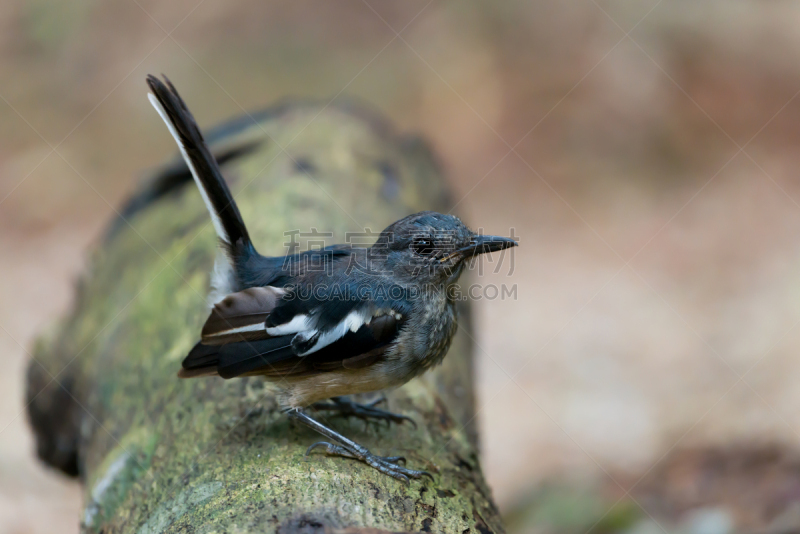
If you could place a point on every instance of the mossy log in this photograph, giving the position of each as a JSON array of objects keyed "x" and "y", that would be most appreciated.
[{"x": 160, "y": 454}]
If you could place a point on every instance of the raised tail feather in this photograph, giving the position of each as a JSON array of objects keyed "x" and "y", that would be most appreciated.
[{"x": 225, "y": 214}]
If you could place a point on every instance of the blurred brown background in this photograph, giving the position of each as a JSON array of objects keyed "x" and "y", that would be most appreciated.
[{"x": 645, "y": 380}]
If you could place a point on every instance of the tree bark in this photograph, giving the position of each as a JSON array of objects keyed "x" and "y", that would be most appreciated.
[{"x": 160, "y": 454}]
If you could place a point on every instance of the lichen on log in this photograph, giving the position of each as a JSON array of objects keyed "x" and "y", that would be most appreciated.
[{"x": 160, "y": 454}]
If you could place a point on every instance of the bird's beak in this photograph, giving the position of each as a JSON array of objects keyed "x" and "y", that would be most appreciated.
[{"x": 482, "y": 244}]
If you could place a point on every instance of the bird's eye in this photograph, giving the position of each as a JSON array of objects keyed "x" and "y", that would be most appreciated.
[{"x": 422, "y": 246}]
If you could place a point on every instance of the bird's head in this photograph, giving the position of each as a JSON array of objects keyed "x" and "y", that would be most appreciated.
[{"x": 433, "y": 247}]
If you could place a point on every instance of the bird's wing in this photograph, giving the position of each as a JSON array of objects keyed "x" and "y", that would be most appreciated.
[
  {"x": 267, "y": 330},
  {"x": 276, "y": 357},
  {"x": 321, "y": 311},
  {"x": 240, "y": 316}
]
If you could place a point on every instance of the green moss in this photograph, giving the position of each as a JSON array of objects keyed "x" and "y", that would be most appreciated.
[{"x": 119, "y": 471}]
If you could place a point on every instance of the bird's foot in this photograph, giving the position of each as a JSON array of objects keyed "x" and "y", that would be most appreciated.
[
  {"x": 388, "y": 465},
  {"x": 347, "y": 408},
  {"x": 347, "y": 448}
]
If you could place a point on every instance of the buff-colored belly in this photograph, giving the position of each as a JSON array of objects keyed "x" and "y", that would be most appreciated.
[{"x": 304, "y": 391}]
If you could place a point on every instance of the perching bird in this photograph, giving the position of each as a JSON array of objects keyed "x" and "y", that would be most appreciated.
[{"x": 369, "y": 319}]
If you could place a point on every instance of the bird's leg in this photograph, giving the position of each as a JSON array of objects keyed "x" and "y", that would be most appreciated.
[
  {"x": 387, "y": 465},
  {"x": 348, "y": 408}
]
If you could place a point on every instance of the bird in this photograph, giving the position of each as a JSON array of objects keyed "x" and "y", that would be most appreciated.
[{"x": 372, "y": 318}]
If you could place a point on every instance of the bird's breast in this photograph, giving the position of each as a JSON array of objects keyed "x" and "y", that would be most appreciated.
[{"x": 425, "y": 340}]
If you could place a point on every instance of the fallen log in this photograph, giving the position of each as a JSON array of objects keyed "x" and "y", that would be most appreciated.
[{"x": 160, "y": 454}]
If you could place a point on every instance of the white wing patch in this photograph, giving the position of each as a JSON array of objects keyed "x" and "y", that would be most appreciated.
[
  {"x": 302, "y": 326},
  {"x": 299, "y": 323},
  {"x": 351, "y": 323}
]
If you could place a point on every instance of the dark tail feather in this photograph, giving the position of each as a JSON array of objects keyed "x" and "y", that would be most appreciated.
[
  {"x": 236, "y": 359},
  {"x": 224, "y": 213},
  {"x": 201, "y": 361},
  {"x": 202, "y": 356}
]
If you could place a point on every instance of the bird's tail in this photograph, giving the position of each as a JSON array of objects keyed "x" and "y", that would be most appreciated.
[
  {"x": 241, "y": 358},
  {"x": 220, "y": 203}
]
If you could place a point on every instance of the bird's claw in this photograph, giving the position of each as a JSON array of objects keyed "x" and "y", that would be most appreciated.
[{"x": 388, "y": 465}]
